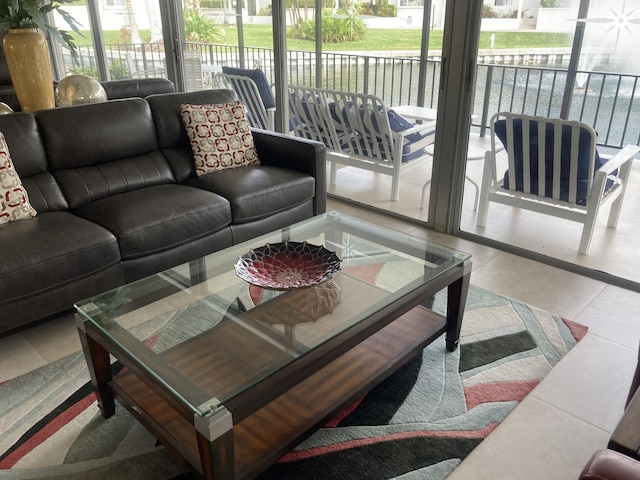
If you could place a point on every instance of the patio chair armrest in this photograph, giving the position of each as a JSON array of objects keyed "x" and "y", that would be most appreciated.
[
  {"x": 416, "y": 129},
  {"x": 271, "y": 118},
  {"x": 623, "y": 156}
]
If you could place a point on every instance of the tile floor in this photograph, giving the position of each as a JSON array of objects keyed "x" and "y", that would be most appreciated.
[{"x": 554, "y": 431}]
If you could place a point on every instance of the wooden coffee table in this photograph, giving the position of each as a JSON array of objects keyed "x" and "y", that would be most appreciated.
[{"x": 231, "y": 377}]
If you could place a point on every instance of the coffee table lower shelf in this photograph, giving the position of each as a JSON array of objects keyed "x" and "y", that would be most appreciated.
[{"x": 262, "y": 438}]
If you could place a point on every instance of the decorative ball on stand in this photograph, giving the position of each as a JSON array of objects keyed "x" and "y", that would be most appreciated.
[
  {"x": 4, "y": 108},
  {"x": 78, "y": 90}
]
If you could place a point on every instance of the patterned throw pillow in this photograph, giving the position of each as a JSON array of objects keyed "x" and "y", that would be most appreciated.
[
  {"x": 220, "y": 136},
  {"x": 14, "y": 201}
]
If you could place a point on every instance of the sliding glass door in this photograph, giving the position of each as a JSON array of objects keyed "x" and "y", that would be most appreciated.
[
  {"x": 575, "y": 60},
  {"x": 120, "y": 39}
]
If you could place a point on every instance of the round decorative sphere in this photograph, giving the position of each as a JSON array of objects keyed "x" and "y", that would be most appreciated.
[
  {"x": 78, "y": 90},
  {"x": 4, "y": 108}
]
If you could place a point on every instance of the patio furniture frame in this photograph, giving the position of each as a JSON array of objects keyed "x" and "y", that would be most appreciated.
[
  {"x": 544, "y": 192},
  {"x": 356, "y": 129}
]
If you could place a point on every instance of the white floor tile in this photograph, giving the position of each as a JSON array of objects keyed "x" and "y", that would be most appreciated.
[
  {"x": 551, "y": 289},
  {"x": 613, "y": 314},
  {"x": 17, "y": 357},
  {"x": 56, "y": 338},
  {"x": 591, "y": 382},
  {"x": 536, "y": 441}
]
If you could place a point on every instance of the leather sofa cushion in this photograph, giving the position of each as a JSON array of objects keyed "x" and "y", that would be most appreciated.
[
  {"x": 119, "y": 153},
  {"x": 29, "y": 159},
  {"x": 158, "y": 218},
  {"x": 52, "y": 250},
  {"x": 89, "y": 184},
  {"x": 257, "y": 192},
  {"x": 137, "y": 87},
  {"x": 119, "y": 129}
]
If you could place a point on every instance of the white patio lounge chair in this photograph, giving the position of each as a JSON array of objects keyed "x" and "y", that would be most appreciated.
[
  {"x": 555, "y": 169},
  {"x": 358, "y": 130},
  {"x": 260, "y": 105}
]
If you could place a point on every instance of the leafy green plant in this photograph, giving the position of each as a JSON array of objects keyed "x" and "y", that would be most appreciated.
[
  {"x": 488, "y": 12},
  {"x": 125, "y": 34},
  {"x": 376, "y": 7},
  {"x": 20, "y": 14},
  {"x": 334, "y": 30},
  {"x": 119, "y": 70},
  {"x": 364, "y": 8},
  {"x": 385, "y": 10},
  {"x": 211, "y": 4},
  {"x": 200, "y": 28},
  {"x": 552, "y": 3},
  {"x": 88, "y": 70}
]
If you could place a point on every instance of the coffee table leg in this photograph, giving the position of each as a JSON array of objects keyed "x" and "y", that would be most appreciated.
[
  {"x": 99, "y": 365},
  {"x": 216, "y": 456},
  {"x": 456, "y": 301}
]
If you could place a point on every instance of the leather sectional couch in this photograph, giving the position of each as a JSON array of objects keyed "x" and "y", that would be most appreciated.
[{"x": 117, "y": 199}]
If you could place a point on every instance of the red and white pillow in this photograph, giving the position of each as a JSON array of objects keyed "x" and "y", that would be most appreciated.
[
  {"x": 220, "y": 136},
  {"x": 14, "y": 201}
]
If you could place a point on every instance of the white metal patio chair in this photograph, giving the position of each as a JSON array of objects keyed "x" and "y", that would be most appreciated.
[
  {"x": 136, "y": 72},
  {"x": 359, "y": 131},
  {"x": 259, "y": 115},
  {"x": 555, "y": 169}
]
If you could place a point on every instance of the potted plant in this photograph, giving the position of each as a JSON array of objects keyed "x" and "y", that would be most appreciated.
[{"x": 27, "y": 51}]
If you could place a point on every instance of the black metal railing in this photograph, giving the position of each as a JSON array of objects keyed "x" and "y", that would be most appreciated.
[{"x": 610, "y": 102}]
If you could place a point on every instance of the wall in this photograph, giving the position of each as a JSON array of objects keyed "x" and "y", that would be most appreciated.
[{"x": 557, "y": 19}]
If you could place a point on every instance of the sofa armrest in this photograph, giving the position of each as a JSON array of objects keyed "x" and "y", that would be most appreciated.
[
  {"x": 620, "y": 158},
  {"x": 610, "y": 465},
  {"x": 308, "y": 156}
]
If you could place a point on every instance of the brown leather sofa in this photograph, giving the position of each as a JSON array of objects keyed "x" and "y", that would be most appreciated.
[
  {"x": 611, "y": 465},
  {"x": 117, "y": 197}
]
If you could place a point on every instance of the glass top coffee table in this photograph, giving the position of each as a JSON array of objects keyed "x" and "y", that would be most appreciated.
[{"x": 211, "y": 360}]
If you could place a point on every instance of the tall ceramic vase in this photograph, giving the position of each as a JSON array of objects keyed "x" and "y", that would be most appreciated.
[{"x": 29, "y": 65}]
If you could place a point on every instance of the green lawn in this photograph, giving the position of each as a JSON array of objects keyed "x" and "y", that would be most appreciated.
[{"x": 374, "y": 40}]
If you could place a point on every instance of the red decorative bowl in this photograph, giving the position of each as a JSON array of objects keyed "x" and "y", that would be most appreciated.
[{"x": 287, "y": 265}]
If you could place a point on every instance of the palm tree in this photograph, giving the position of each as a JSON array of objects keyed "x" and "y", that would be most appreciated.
[{"x": 132, "y": 23}]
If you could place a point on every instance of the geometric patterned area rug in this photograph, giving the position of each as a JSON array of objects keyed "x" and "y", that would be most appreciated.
[{"x": 420, "y": 423}]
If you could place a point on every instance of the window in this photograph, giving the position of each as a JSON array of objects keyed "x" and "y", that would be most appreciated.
[{"x": 114, "y": 3}]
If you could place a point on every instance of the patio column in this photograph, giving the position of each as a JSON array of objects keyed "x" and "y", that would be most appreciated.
[
  {"x": 279, "y": 19},
  {"x": 457, "y": 80}
]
